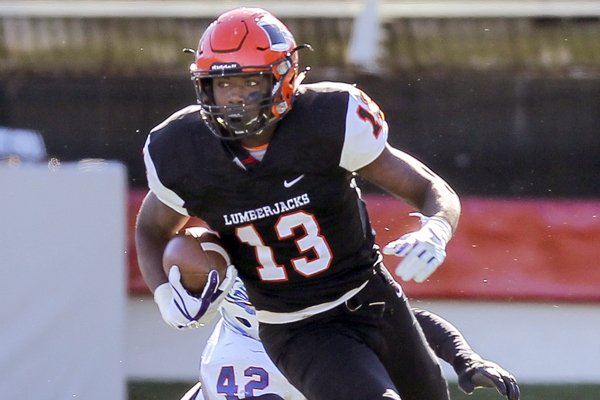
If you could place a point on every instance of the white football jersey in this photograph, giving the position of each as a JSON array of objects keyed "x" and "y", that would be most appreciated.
[
  {"x": 236, "y": 366},
  {"x": 234, "y": 363}
]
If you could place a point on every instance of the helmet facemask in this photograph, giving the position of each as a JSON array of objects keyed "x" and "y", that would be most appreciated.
[{"x": 260, "y": 110}]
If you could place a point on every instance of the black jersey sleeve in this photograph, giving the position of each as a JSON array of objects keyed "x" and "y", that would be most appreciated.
[
  {"x": 169, "y": 152},
  {"x": 163, "y": 193},
  {"x": 356, "y": 121},
  {"x": 444, "y": 338}
]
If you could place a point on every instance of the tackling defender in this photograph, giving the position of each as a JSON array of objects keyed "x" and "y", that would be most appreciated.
[{"x": 235, "y": 366}]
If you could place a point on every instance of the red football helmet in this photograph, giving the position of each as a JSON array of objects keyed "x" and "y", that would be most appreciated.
[{"x": 246, "y": 41}]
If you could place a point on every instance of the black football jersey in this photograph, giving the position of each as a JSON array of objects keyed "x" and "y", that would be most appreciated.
[{"x": 295, "y": 226}]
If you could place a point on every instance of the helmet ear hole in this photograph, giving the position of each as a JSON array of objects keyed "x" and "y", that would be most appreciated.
[
  {"x": 207, "y": 88},
  {"x": 283, "y": 67},
  {"x": 204, "y": 91}
]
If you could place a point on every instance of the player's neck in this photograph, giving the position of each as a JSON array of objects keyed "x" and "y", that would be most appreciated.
[{"x": 258, "y": 140}]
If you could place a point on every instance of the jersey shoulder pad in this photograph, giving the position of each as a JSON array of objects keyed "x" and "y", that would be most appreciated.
[
  {"x": 169, "y": 152},
  {"x": 181, "y": 116},
  {"x": 326, "y": 87}
]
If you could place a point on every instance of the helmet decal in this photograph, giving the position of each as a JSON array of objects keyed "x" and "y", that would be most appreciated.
[
  {"x": 278, "y": 40},
  {"x": 224, "y": 66}
]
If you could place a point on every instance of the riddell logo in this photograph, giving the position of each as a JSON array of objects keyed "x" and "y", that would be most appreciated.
[{"x": 224, "y": 66}]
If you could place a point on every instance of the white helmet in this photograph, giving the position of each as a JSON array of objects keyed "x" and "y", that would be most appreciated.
[{"x": 238, "y": 313}]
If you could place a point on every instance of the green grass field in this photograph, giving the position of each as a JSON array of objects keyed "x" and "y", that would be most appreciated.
[{"x": 151, "y": 390}]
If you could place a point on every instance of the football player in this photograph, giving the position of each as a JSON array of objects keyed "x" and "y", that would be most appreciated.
[
  {"x": 269, "y": 164},
  {"x": 235, "y": 366}
]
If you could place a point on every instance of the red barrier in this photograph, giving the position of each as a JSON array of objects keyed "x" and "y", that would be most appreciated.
[{"x": 503, "y": 250}]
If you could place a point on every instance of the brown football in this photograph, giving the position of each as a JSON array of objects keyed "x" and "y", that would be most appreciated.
[{"x": 195, "y": 252}]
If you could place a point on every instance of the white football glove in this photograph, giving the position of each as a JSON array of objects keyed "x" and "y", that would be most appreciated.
[
  {"x": 423, "y": 250},
  {"x": 181, "y": 310}
]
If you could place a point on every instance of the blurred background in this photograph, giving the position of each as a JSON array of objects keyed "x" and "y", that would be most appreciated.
[{"x": 501, "y": 98}]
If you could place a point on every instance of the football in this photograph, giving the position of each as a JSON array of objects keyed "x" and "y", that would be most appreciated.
[{"x": 195, "y": 251}]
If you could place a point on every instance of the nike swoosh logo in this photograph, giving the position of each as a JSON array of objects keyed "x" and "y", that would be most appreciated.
[{"x": 292, "y": 182}]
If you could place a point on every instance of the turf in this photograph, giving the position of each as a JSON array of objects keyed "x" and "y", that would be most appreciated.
[{"x": 153, "y": 390}]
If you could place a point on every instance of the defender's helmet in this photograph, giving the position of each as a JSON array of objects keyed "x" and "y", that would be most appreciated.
[
  {"x": 246, "y": 41},
  {"x": 237, "y": 311}
]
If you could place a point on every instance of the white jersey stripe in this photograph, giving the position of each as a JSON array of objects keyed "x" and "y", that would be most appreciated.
[
  {"x": 270, "y": 317},
  {"x": 165, "y": 195}
]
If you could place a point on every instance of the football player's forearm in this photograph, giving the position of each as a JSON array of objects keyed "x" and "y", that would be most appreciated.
[
  {"x": 445, "y": 339},
  {"x": 443, "y": 202},
  {"x": 409, "y": 179},
  {"x": 155, "y": 225},
  {"x": 149, "y": 255},
  {"x": 150, "y": 242}
]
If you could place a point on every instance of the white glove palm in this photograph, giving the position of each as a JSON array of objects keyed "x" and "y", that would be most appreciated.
[
  {"x": 181, "y": 310},
  {"x": 423, "y": 250}
]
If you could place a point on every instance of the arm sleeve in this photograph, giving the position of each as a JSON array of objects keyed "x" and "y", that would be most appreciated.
[
  {"x": 366, "y": 131},
  {"x": 164, "y": 194},
  {"x": 445, "y": 339}
]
